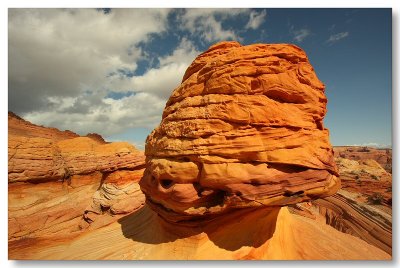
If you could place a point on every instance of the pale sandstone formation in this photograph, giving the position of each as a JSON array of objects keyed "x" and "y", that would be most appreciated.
[
  {"x": 119, "y": 194},
  {"x": 366, "y": 177},
  {"x": 244, "y": 129},
  {"x": 357, "y": 153},
  {"x": 368, "y": 166},
  {"x": 60, "y": 183}
]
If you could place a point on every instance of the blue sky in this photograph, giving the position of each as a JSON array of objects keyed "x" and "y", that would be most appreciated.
[{"x": 112, "y": 72}]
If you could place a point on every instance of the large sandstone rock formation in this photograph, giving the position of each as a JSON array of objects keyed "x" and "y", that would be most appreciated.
[
  {"x": 60, "y": 183},
  {"x": 244, "y": 129}
]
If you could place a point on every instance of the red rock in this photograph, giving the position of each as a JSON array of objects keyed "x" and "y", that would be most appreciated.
[{"x": 244, "y": 129}]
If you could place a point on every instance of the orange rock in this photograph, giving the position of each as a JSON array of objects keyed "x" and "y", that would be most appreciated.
[
  {"x": 57, "y": 180},
  {"x": 246, "y": 234},
  {"x": 38, "y": 153},
  {"x": 346, "y": 214},
  {"x": 17, "y": 126},
  {"x": 244, "y": 129}
]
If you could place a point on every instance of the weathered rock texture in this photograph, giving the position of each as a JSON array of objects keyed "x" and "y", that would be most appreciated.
[
  {"x": 244, "y": 129},
  {"x": 381, "y": 156},
  {"x": 367, "y": 178},
  {"x": 347, "y": 214},
  {"x": 246, "y": 234},
  {"x": 43, "y": 159},
  {"x": 60, "y": 183}
]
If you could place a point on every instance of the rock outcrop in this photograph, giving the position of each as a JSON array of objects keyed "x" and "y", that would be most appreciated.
[
  {"x": 60, "y": 183},
  {"x": 366, "y": 177},
  {"x": 17, "y": 126},
  {"x": 382, "y": 156},
  {"x": 244, "y": 129},
  {"x": 44, "y": 159}
]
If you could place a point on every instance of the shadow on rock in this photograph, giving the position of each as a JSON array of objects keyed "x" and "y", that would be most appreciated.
[
  {"x": 243, "y": 228},
  {"x": 146, "y": 226}
]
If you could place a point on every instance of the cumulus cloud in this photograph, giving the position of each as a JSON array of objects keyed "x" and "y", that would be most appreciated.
[
  {"x": 109, "y": 117},
  {"x": 161, "y": 81},
  {"x": 301, "y": 34},
  {"x": 76, "y": 68},
  {"x": 60, "y": 61},
  {"x": 208, "y": 23},
  {"x": 62, "y": 52},
  {"x": 256, "y": 19},
  {"x": 336, "y": 37}
]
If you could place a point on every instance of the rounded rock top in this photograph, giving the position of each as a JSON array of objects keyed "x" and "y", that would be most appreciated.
[{"x": 244, "y": 129}]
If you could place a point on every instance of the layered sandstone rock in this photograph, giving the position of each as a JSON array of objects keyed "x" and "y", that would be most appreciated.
[
  {"x": 244, "y": 129},
  {"x": 347, "y": 213},
  {"x": 60, "y": 183},
  {"x": 17, "y": 126},
  {"x": 43, "y": 159}
]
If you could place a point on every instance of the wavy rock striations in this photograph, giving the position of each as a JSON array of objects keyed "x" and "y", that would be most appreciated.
[
  {"x": 60, "y": 183},
  {"x": 244, "y": 129}
]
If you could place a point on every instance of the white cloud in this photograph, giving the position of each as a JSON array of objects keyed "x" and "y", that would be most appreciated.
[
  {"x": 60, "y": 61},
  {"x": 256, "y": 19},
  {"x": 208, "y": 23},
  {"x": 63, "y": 52},
  {"x": 82, "y": 105},
  {"x": 336, "y": 37},
  {"x": 163, "y": 80},
  {"x": 109, "y": 117},
  {"x": 300, "y": 35},
  {"x": 372, "y": 144}
]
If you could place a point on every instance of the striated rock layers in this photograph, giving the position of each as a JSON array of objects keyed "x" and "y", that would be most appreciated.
[
  {"x": 347, "y": 214},
  {"x": 245, "y": 234},
  {"x": 244, "y": 129},
  {"x": 60, "y": 183}
]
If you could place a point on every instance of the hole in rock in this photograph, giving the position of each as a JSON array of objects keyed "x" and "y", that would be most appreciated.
[
  {"x": 255, "y": 182},
  {"x": 166, "y": 183},
  {"x": 104, "y": 208},
  {"x": 290, "y": 193},
  {"x": 185, "y": 159}
]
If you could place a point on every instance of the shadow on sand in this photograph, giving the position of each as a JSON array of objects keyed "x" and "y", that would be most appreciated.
[{"x": 230, "y": 231}]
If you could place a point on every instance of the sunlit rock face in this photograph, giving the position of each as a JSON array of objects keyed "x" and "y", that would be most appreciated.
[{"x": 244, "y": 129}]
